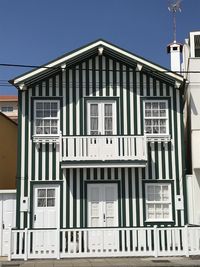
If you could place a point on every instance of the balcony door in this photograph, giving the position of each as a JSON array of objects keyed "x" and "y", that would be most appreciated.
[
  {"x": 102, "y": 117},
  {"x": 102, "y": 122}
]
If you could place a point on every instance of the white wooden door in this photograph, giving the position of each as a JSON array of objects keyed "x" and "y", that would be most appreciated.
[
  {"x": 102, "y": 121},
  {"x": 8, "y": 219},
  {"x": 103, "y": 212},
  {"x": 45, "y": 215}
]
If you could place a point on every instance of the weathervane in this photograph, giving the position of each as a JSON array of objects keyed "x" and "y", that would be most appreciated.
[{"x": 174, "y": 6}]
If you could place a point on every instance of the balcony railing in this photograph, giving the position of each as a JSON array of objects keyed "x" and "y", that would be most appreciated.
[{"x": 104, "y": 148}]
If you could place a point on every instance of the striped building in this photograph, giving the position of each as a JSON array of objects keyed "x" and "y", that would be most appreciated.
[{"x": 100, "y": 142}]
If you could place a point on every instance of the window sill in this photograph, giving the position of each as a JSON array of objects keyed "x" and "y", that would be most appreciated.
[
  {"x": 46, "y": 139},
  {"x": 158, "y": 138}
]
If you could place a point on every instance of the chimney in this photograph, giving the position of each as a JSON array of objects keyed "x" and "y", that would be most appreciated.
[{"x": 175, "y": 50}]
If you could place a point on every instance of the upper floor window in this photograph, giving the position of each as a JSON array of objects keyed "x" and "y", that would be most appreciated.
[
  {"x": 101, "y": 117},
  {"x": 158, "y": 202},
  {"x": 7, "y": 109},
  {"x": 156, "y": 117},
  {"x": 46, "y": 117}
]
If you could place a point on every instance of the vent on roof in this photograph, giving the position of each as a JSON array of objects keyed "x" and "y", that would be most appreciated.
[{"x": 197, "y": 45}]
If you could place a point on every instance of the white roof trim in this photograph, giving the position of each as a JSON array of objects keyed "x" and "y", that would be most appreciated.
[
  {"x": 8, "y": 191},
  {"x": 80, "y": 51}
]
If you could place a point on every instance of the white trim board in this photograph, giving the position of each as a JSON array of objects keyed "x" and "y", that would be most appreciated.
[{"x": 8, "y": 191}]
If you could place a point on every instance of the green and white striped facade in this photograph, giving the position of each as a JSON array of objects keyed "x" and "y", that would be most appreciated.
[{"x": 72, "y": 80}]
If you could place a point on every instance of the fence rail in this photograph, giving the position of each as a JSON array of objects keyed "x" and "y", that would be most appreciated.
[{"x": 104, "y": 242}]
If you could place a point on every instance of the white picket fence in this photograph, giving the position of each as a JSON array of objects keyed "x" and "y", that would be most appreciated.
[{"x": 72, "y": 243}]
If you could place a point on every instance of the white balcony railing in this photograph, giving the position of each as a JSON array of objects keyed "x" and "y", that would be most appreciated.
[
  {"x": 102, "y": 148},
  {"x": 104, "y": 242}
]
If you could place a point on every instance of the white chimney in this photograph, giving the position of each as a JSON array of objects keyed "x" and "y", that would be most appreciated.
[{"x": 175, "y": 50}]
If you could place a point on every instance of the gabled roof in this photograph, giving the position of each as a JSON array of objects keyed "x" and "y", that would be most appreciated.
[
  {"x": 10, "y": 98},
  {"x": 87, "y": 50}
]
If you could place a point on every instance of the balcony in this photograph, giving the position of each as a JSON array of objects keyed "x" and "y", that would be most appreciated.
[{"x": 103, "y": 151}]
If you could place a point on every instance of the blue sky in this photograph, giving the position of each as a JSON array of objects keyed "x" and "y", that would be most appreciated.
[{"x": 34, "y": 32}]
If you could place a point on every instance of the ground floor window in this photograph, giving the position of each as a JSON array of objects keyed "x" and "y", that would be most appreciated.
[{"x": 158, "y": 202}]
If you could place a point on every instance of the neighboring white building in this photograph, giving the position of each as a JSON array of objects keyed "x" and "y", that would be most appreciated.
[
  {"x": 191, "y": 72},
  {"x": 9, "y": 106}
]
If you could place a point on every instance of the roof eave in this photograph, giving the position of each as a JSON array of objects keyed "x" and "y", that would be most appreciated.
[{"x": 18, "y": 82}]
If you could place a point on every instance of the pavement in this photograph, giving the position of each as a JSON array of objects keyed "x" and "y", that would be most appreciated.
[{"x": 106, "y": 262}]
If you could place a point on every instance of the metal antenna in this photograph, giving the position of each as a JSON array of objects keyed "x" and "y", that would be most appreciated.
[{"x": 174, "y": 6}]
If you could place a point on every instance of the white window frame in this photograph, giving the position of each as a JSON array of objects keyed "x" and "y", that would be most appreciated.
[
  {"x": 162, "y": 202},
  {"x": 157, "y": 118},
  {"x": 114, "y": 117},
  {"x": 50, "y": 118}
]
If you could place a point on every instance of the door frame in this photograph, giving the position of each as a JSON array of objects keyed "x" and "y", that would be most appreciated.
[
  {"x": 118, "y": 194},
  {"x": 60, "y": 202},
  {"x": 102, "y": 99}
]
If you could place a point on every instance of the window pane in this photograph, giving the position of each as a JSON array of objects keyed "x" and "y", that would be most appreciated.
[
  {"x": 46, "y": 122},
  {"x": 54, "y": 122},
  {"x": 54, "y": 130},
  {"x": 154, "y": 105},
  {"x": 108, "y": 109},
  {"x": 41, "y": 192},
  {"x": 157, "y": 197},
  {"x": 39, "y": 105},
  {"x": 54, "y": 105},
  {"x": 148, "y": 122},
  {"x": 151, "y": 189},
  {"x": 50, "y": 192},
  {"x": 39, "y": 130},
  {"x": 47, "y": 113},
  {"x": 163, "y": 130},
  {"x": 148, "y": 130},
  {"x": 155, "y": 113},
  {"x": 47, "y": 105},
  {"x": 93, "y": 109},
  {"x": 50, "y": 202},
  {"x": 162, "y": 105},
  {"x": 46, "y": 130},
  {"x": 108, "y": 123},
  {"x": 163, "y": 122},
  {"x": 39, "y": 113},
  {"x": 155, "y": 130},
  {"x": 147, "y": 105},
  {"x": 94, "y": 124},
  {"x": 151, "y": 197},
  {"x": 41, "y": 202},
  {"x": 163, "y": 113},
  {"x": 54, "y": 113},
  {"x": 147, "y": 113},
  {"x": 39, "y": 122}
]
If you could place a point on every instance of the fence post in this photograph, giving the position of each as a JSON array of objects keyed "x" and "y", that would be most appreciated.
[
  {"x": 10, "y": 243},
  {"x": 26, "y": 244},
  {"x": 186, "y": 243},
  {"x": 58, "y": 242},
  {"x": 156, "y": 238}
]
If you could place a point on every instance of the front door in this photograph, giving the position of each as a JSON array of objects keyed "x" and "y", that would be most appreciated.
[
  {"x": 45, "y": 215},
  {"x": 46, "y": 199},
  {"x": 8, "y": 210},
  {"x": 103, "y": 212}
]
